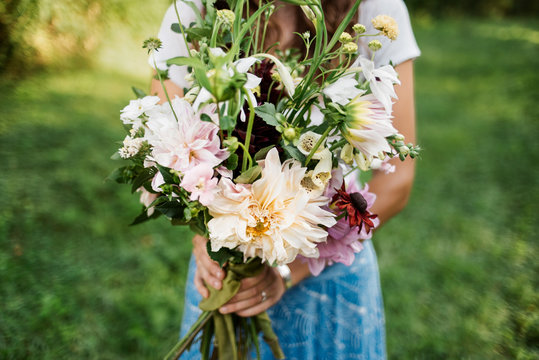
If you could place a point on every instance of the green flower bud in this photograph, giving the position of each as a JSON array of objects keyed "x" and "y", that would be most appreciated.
[
  {"x": 349, "y": 48},
  {"x": 226, "y": 17},
  {"x": 290, "y": 134},
  {"x": 276, "y": 77},
  {"x": 231, "y": 143},
  {"x": 306, "y": 35},
  {"x": 375, "y": 45},
  {"x": 345, "y": 37},
  {"x": 359, "y": 28}
]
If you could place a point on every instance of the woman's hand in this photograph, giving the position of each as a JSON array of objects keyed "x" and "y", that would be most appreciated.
[
  {"x": 208, "y": 271},
  {"x": 256, "y": 294}
]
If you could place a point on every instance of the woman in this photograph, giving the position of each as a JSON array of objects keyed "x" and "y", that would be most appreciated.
[{"x": 338, "y": 314}]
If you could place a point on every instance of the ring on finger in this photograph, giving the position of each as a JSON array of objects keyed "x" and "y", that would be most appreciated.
[{"x": 264, "y": 296}]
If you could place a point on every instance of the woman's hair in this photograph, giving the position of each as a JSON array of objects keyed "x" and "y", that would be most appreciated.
[{"x": 334, "y": 12}]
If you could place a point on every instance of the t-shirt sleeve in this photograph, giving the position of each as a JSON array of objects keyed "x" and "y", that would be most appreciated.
[
  {"x": 173, "y": 43},
  {"x": 397, "y": 51}
]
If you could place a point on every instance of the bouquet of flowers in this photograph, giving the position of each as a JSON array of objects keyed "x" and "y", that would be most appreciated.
[{"x": 255, "y": 156}]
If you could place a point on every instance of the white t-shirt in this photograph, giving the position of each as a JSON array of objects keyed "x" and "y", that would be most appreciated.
[{"x": 397, "y": 51}]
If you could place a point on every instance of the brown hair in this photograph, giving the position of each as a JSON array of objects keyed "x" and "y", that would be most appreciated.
[{"x": 334, "y": 12}]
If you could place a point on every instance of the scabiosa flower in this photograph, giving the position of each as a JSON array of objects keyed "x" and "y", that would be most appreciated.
[
  {"x": 274, "y": 218},
  {"x": 387, "y": 25},
  {"x": 367, "y": 125}
]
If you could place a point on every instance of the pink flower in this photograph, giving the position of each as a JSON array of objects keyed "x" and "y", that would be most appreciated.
[
  {"x": 199, "y": 181},
  {"x": 147, "y": 198},
  {"x": 181, "y": 145},
  {"x": 343, "y": 241}
]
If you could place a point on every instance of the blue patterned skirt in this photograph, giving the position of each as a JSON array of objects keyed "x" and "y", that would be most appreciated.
[{"x": 337, "y": 315}]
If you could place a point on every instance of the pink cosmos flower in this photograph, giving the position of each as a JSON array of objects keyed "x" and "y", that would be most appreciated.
[{"x": 199, "y": 181}]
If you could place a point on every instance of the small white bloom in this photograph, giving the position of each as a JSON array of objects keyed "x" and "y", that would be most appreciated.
[
  {"x": 131, "y": 113},
  {"x": 381, "y": 81},
  {"x": 342, "y": 90},
  {"x": 131, "y": 147}
]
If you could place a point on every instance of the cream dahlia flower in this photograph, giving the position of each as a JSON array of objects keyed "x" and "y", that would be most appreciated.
[{"x": 275, "y": 218}]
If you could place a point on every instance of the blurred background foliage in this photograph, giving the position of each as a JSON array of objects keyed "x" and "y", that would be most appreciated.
[{"x": 459, "y": 266}]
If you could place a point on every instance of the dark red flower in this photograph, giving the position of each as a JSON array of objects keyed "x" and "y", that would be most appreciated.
[{"x": 355, "y": 207}]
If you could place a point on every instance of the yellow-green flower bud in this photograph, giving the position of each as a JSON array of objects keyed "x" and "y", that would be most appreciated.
[
  {"x": 349, "y": 48},
  {"x": 231, "y": 143},
  {"x": 276, "y": 77},
  {"x": 193, "y": 52},
  {"x": 347, "y": 154},
  {"x": 345, "y": 37},
  {"x": 359, "y": 28},
  {"x": 290, "y": 134},
  {"x": 306, "y": 35},
  {"x": 226, "y": 16},
  {"x": 375, "y": 45}
]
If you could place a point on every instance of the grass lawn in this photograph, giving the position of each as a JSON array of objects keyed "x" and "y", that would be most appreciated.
[{"x": 458, "y": 266}]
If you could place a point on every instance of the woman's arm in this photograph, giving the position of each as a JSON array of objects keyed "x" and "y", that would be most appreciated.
[{"x": 172, "y": 89}]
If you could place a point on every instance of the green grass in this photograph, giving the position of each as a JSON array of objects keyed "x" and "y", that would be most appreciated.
[{"x": 458, "y": 265}]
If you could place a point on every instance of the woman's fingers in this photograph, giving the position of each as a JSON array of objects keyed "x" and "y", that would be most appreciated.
[
  {"x": 209, "y": 270},
  {"x": 200, "y": 285}
]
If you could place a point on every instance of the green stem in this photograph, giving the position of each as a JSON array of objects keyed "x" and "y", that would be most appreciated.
[
  {"x": 338, "y": 144},
  {"x": 181, "y": 345},
  {"x": 181, "y": 29},
  {"x": 213, "y": 40},
  {"x": 163, "y": 86},
  {"x": 249, "y": 131},
  {"x": 246, "y": 151},
  {"x": 317, "y": 145}
]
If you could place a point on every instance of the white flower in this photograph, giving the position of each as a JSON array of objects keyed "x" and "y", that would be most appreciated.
[
  {"x": 307, "y": 141},
  {"x": 342, "y": 90},
  {"x": 286, "y": 78},
  {"x": 381, "y": 81},
  {"x": 131, "y": 147},
  {"x": 367, "y": 126},
  {"x": 131, "y": 113},
  {"x": 274, "y": 218},
  {"x": 316, "y": 181}
]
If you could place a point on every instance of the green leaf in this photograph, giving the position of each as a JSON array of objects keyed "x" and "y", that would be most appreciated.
[
  {"x": 202, "y": 78},
  {"x": 232, "y": 162},
  {"x": 167, "y": 176},
  {"x": 261, "y": 154},
  {"x": 198, "y": 33},
  {"x": 249, "y": 176},
  {"x": 293, "y": 152},
  {"x": 143, "y": 216},
  {"x": 138, "y": 92},
  {"x": 171, "y": 209},
  {"x": 195, "y": 63},
  {"x": 227, "y": 123},
  {"x": 206, "y": 117},
  {"x": 145, "y": 175},
  {"x": 123, "y": 175},
  {"x": 268, "y": 113},
  {"x": 223, "y": 255},
  {"x": 116, "y": 156}
]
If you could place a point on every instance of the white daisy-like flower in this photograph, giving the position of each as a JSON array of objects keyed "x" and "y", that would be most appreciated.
[
  {"x": 275, "y": 218},
  {"x": 381, "y": 81}
]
